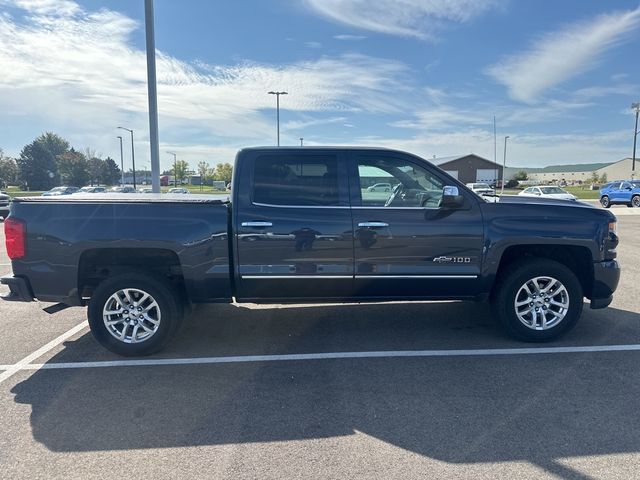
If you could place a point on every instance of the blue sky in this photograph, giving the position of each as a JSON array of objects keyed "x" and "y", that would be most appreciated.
[{"x": 423, "y": 76}]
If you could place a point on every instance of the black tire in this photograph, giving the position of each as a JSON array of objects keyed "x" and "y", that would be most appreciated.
[
  {"x": 605, "y": 202},
  {"x": 513, "y": 277},
  {"x": 635, "y": 201},
  {"x": 169, "y": 306}
]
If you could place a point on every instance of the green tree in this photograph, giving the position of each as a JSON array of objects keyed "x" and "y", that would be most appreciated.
[
  {"x": 521, "y": 175},
  {"x": 179, "y": 170},
  {"x": 111, "y": 174},
  {"x": 224, "y": 171},
  {"x": 203, "y": 170},
  {"x": 594, "y": 177},
  {"x": 54, "y": 144},
  {"x": 603, "y": 178},
  {"x": 37, "y": 167},
  {"x": 95, "y": 170},
  {"x": 8, "y": 170},
  {"x": 74, "y": 168}
]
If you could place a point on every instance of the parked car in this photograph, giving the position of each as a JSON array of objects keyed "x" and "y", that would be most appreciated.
[
  {"x": 547, "y": 191},
  {"x": 481, "y": 188},
  {"x": 145, "y": 190},
  {"x": 54, "y": 192},
  {"x": 4, "y": 204},
  {"x": 621, "y": 192},
  {"x": 124, "y": 189},
  {"x": 178, "y": 190},
  {"x": 380, "y": 187},
  {"x": 314, "y": 239},
  {"x": 94, "y": 189}
]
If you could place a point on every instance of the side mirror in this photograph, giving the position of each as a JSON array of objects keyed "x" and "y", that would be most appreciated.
[{"x": 451, "y": 197}]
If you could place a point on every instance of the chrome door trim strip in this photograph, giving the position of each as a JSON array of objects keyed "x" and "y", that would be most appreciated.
[
  {"x": 298, "y": 277},
  {"x": 257, "y": 204},
  {"x": 417, "y": 276}
]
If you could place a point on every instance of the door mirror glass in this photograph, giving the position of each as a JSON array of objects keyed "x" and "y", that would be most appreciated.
[{"x": 451, "y": 197}]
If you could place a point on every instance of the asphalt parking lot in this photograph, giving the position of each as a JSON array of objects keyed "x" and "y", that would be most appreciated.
[{"x": 571, "y": 412}]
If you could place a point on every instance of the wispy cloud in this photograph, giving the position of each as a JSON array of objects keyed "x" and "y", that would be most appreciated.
[
  {"x": 558, "y": 56},
  {"x": 349, "y": 37},
  {"x": 313, "y": 44},
  {"x": 409, "y": 18}
]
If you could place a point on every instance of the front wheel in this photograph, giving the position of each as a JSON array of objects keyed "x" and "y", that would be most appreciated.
[
  {"x": 134, "y": 314},
  {"x": 635, "y": 201},
  {"x": 537, "y": 300},
  {"x": 605, "y": 202}
]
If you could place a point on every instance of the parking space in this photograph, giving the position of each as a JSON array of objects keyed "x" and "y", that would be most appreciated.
[{"x": 563, "y": 415}]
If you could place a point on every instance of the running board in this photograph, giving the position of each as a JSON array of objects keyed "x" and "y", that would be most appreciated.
[{"x": 58, "y": 307}]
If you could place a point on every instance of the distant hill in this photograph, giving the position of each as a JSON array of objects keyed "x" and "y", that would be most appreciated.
[{"x": 579, "y": 167}]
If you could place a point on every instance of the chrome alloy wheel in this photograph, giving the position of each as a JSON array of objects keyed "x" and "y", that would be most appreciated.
[
  {"x": 541, "y": 303},
  {"x": 131, "y": 315}
]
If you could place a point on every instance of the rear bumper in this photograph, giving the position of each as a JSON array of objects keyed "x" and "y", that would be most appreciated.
[
  {"x": 20, "y": 290},
  {"x": 606, "y": 276}
]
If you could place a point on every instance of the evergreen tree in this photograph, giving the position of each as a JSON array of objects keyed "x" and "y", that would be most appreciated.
[{"x": 37, "y": 167}]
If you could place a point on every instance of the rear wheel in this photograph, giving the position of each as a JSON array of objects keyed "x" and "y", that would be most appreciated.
[
  {"x": 134, "y": 314},
  {"x": 537, "y": 300},
  {"x": 635, "y": 201},
  {"x": 605, "y": 202}
]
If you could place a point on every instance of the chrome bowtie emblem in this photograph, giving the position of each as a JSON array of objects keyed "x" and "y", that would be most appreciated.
[{"x": 442, "y": 259}]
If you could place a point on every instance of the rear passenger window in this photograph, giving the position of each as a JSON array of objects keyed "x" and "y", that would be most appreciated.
[{"x": 296, "y": 180}]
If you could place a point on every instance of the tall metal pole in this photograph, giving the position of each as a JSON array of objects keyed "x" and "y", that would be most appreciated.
[
  {"x": 635, "y": 137},
  {"x": 301, "y": 140},
  {"x": 504, "y": 164},
  {"x": 153, "y": 99},
  {"x": 133, "y": 154},
  {"x": 121, "y": 163},
  {"x": 277, "y": 94},
  {"x": 495, "y": 151},
  {"x": 175, "y": 169}
]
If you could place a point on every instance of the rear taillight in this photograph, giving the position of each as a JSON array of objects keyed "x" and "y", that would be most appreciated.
[{"x": 15, "y": 237}]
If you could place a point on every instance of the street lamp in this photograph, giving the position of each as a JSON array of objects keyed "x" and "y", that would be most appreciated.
[
  {"x": 175, "y": 169},
  {"x": 121, "y": 163},
  {"x": 636, "y": 107},
  {"x": 277, "y": 94},
  {"x": 301, "y": 140},
  {"x": 504, "y": 164},
  {"x": 133, "y": 154}
]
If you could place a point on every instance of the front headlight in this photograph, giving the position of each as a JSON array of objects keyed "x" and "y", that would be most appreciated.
[{"x": 613, "y": 227}]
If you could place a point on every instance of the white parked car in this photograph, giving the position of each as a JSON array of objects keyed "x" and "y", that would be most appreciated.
[
  {"x": 481, "y": 188},
  {"x": 178, "y": 190},
  {"x": 548, "y": 192},
  {"x": 380, "y": 187}
]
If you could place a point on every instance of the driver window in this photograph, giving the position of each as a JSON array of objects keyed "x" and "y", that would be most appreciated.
[{"x": 390, "y": 182}]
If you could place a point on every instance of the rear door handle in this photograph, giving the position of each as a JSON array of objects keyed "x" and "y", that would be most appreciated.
[
  {"x": 257, "y": 224},
  {"x": 373, "y": 224}
]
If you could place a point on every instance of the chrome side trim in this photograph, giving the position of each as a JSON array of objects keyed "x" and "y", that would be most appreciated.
[
  {"x": 395, "y": 208},
  {"x": 417, "y": 276},
  {"x": 257, "y": 204},
  {"x": 294, "y": 277}
]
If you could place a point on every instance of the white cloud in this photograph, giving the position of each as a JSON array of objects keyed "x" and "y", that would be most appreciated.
[
  {"x": 313, "y": 44},
  {"x": 77, "y": 72},
  {"x": 558, "y": 56},
  {"x": 410, "y": 18},
  {"x": 349, "y": 37}
]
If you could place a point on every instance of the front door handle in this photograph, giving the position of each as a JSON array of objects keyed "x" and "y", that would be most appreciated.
[
  {"x": 257, "y": 224},
  {"x": 373, "y": 224}
]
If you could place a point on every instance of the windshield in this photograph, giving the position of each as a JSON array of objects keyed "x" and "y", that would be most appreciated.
[{"x": 481, "y": 185}]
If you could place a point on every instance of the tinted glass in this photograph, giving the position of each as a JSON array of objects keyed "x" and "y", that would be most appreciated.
[
  {"x": 296, "y": 180},
  {"x": 412, "y": 185},
  {"x": 552, "y": 190}
]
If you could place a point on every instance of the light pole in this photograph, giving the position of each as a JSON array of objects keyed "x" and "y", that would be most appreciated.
[
  {"x": 504, "y": 163},
  {"x": 121, "y": 163},
  {"x": 153, "y": 98},
  {"x": 175, "y": 169},
  {"x": 277, "y": 94},
  {"x": 133, "y": 154},
  {"x": 636, "y": 107},
  {"x": 301, "y": 140}
]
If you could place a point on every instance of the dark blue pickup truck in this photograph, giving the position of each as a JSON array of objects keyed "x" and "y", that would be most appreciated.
[{"x": 302, "y": 225}]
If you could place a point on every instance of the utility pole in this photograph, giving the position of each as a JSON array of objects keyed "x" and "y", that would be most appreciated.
[
  {"x": 175, "y": 169},
  {"x": 504, "y": 163},
  {"x": 133, "y": 154},
  {"x": 121, "y": 163},
  {"x": 636, "y": 107},
  {"x": 277, "y": 94},
  {"x": 153, "y": 99},
  {"x": 495, "y": 151},
  {"x": 301, "y": 140}
]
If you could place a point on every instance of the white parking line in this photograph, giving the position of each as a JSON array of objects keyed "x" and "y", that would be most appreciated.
[
  {"x": 313, "y": 356},
  {"x": 13, "y": 369}
]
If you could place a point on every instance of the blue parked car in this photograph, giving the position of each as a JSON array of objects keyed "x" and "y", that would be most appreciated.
[{"x": 621, "y": 192}]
